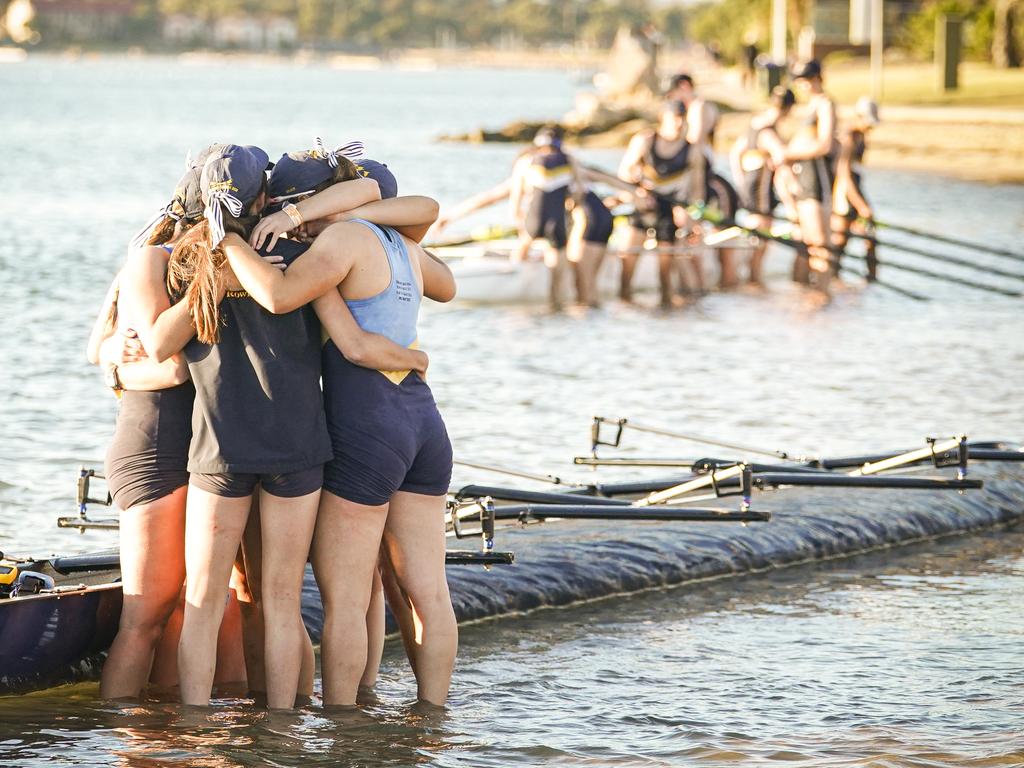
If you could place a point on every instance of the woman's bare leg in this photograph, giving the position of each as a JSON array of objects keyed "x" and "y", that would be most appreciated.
[
  {"x": 213, "y": 530},
  {"x": 345, "y": 548},
  {"x": 164, "y": 674},
  {"x": 558, "y": 267},
  {"x": 230, "y": 647},
  {"x": 629, "y": 259},
  {"x": 152, "y": 571},
  {"x": 375, "y": 630},
  {"x": 398, "y": 601},
  {"x": 414, "y": 537},
  {"x": 287, "y": 531},
  {"x": 814, "y": 226}
]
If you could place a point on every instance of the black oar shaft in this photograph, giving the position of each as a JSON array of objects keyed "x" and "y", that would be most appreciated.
[
  {"x": 540, "y": 497},
  {"x": 859, "y": 481},
  {"x": 592, "y": 512},
  {"x": 939, "y": 276},
  {"x": 951, "y": 240},
  {"x": 943, "y": 257}
]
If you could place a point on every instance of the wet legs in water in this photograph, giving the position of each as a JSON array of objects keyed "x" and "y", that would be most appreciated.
[
  {"x": 345, "y": 550},
  {"x": 558, "y": 268},
  {"x": 153, "y": 572},
  {"x": 629, "y": 258},
  {"x": 415, "y": 540},
  {"x": 287, "y": 531},
  {"x": 251, "y": 608},
  {"x": 214, "y": 526}
]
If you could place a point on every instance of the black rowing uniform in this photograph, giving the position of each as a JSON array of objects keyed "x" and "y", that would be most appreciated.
[
  {"x": 815, "y": 177},
  {"x": 756, "y": 188},
  {"x": 259, "y": 415},
  {"x": 841, "y": 201},
  {"x": 667, "y": 175},
  {"x": 549, "y": 177},
  {"x": 600, "y": 222}
]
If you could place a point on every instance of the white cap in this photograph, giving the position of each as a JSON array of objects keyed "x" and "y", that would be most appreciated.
[{"x": 867, "y": 109}]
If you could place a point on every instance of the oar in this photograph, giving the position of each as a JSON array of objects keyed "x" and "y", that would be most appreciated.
[
  {"x": 951, "y": 240},
  {"x": 492, "y": 233},
  {"x": 939, "y": 257},
  {"x": 552, "y": 479},
  {"x": 629, "y": 423},
  {"x": 591, "y": 512}
]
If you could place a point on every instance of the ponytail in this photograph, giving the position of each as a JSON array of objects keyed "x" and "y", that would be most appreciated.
[{"x": 195, "y": 273}]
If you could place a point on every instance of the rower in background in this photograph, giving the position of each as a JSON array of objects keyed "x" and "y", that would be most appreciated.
[
  {"x": 755, "y": 174},
  {"x": 811, "y": 154},
  {"x": 662, "y": 161},
  {"x": 848, "y": 200},
  {"x": 591, "y": 222},
  {"x": 701, "y": 122},
  {"x": 541, "y": 183}
]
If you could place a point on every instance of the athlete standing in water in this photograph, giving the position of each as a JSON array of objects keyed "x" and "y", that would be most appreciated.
[
  {"x": 755, "y": 174},
  {"x": 811, "y": 156},
  {"x": 392, "y": 458},
  {"x": 542, "y": 181},
  {"x": 848, "y": 200},
  {"x": 701, "y": 123},
  {"x": 662, "y": 162}
]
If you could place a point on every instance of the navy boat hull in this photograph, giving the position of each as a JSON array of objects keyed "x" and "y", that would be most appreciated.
[{"x": 50, "y": 639}]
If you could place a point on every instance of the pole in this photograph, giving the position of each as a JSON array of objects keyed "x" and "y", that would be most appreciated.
[
  {"x": 779, "y": 32},
  {"x": 877, "y": 47}
]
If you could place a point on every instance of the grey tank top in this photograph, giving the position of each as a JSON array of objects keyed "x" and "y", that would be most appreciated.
[{"x": 258, "y": 405}]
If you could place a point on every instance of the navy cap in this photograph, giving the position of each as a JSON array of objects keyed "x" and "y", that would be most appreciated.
[
  {"x": 231, "y": 178},
  {"x": 806, "y": 69},
  {"x": 379, "y": 172},
  {"x": 298, "y": 172},
  {"x": 187, "y": 200}
]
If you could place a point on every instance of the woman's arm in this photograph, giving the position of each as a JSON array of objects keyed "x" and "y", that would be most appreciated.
[
  {"x": 369, "y": 350},
  {"x": 149, "y": 376},
  {"x": 629, "y": 167},
  {"x": 321, "y": 268},
  {"x": 411, "y": 215},
  {"x": 101, "y": 327},
  {"x": 493, "y": 195},
  {"x": 438, "y": 280},
  {"x": 163, "y": 330},
  {"x": 337, "y": 198},
  {"x": 517, "y": 187}
]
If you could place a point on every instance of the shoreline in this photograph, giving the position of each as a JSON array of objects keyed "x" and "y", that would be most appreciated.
[{"x": 973, "y": 139}]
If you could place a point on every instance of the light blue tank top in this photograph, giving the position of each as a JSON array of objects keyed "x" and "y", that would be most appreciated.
[{"x": 393, "y": 311}]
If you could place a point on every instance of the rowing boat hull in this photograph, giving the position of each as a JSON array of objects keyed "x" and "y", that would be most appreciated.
[
  {"x": 485, "y": 274},
  {"x": 50, "y": 639}
]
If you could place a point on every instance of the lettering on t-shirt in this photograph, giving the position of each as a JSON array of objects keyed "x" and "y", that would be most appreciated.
[{"x": 403, "y": 290}]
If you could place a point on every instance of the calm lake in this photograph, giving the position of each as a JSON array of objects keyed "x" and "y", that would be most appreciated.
[{"x": 911, "y": 657}]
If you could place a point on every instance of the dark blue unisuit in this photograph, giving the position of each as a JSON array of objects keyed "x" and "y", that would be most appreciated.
[{"x": 386, "y": 430}]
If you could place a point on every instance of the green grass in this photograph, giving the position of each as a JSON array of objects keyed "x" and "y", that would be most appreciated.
[{"x": 981, "y": 85}]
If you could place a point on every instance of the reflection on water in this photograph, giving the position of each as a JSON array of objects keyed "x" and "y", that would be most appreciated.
[
  {"x": 888, "y": 659},
  {"x": 904, "y": 660}
]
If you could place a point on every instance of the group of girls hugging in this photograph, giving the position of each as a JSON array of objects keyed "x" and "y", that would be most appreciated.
[{"x": 233, "y": 467}]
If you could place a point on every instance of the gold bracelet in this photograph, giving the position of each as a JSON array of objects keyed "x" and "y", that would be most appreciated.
[{"x": 292, "y": 211}]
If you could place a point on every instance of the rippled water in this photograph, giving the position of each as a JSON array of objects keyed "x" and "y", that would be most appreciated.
[{"x": 909, "y": 659}]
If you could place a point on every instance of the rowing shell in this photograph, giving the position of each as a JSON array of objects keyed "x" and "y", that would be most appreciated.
[{"x": 486, "y": 274}]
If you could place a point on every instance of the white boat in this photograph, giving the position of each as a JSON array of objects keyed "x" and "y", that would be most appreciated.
[{"x": 486, "y": 274}]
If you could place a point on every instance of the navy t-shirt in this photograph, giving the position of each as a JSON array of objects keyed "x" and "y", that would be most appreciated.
[{"x": 258, "y": 405}]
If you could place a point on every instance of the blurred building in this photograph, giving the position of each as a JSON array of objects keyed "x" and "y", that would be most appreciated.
[
  {"x": 232, "y": 32},
  {"x": 81, "y": 21}
]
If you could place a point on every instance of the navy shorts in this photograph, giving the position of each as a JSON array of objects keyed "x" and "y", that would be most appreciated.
[
  {"x": 599, "y": 220},
  {"x": 546, "y": 218},
  {"x": 661, "y": 219},
  {"x": 237, "y": 485},
  {"x": 387, "y": 437}
]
